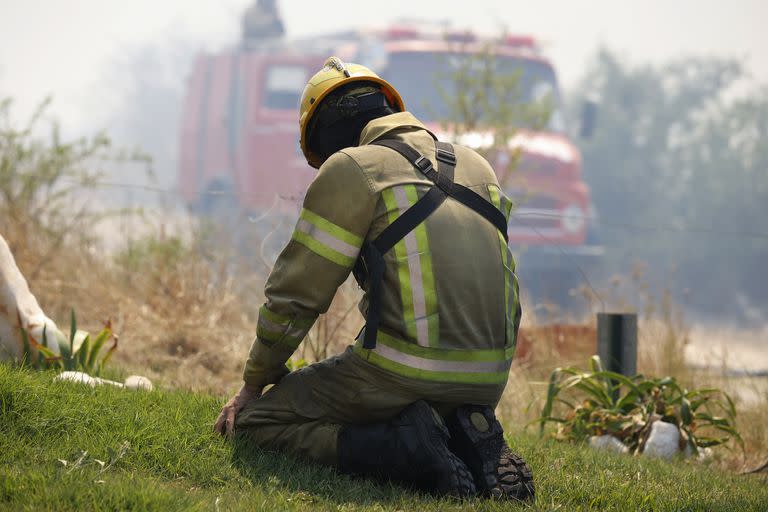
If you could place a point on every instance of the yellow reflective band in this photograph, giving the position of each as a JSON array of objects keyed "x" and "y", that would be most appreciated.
[
  {"x": 273, "y": 317},
  {"x": 502, "y": 203},
  {"x": 427, "y": 318},
  {"x": 273, "y": 328},
  {"x": 418, "y": 292},
  {"x": 435, "y": 364},
  {"x": 326, "y": 239}
]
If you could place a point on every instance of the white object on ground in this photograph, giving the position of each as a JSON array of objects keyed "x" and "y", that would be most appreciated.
[
  {"x": 79, "y": 377},
  {"x": 704, "y": 453},
  {"x": 133, "y": 382},
  {"x": 608, "y": 442},
  {"x": 18, "y": 303},
  {"x": 664, "y": 440},
  {"x": 101, "y": 381},
  {"x": 138, "y": 382}
]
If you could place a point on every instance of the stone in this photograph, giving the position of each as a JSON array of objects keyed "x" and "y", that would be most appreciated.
[
  {"x": 79, "y": 377},
  {"x": 137, "y": 382},
  {"x": 609, "y": 443},
  {"x": 663, "y": 441}
]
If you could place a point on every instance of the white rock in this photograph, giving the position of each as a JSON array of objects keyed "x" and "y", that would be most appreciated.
[
  {"x": 138, "y": 382},
  {"x": 79, "y": 377},
  {"x": 704, "y": 453},
  {"x": 101, "y": 381},
  {"x": 664, "y": 440},
  {"x": 608, "y": 442}
]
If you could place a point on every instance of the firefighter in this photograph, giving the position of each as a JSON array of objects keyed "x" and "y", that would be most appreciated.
[{"x": 422, "y": 225}]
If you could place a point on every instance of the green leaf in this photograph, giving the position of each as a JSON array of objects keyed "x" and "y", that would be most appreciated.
[
  {"x": 706, "y": 442},
  {"x": 83, "y": 352},
  {"x": 731, "y": 405},
  {"x": 67, "y": 349},
  {"x": 72, "y": 330},
  {"x": 98, "y": 343},
  {"x": 623, "y": 379},
  {"x": 685, "y": 412},
  {"x": 713, "y": 420},
  {"x": 692, "y": 440},
  {"x": 106, "y": 357},
  {"x": 552, "y": 391},
  {"x": 26, "y": 357}
]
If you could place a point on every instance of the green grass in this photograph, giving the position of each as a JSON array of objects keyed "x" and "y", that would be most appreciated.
[{"x": 172, "y": 462}]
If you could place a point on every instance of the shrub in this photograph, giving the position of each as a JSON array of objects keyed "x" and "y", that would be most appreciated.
[
  {"x": 78, "y": 352},
  {"x": 626, "y": 407}
]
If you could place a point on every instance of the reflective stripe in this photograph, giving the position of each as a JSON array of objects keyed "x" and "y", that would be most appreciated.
[
  {"x": 436, "y": 364},
  {"x": 500, "y": 201},
  {"x": 414, "y": 268},
  {"x": 276, "y": 328},
  {"x": 326, "y": 239},
  {"x": 506, "y": 206},
  {"x": 283, "y": 330},
  {"x": 273, "y": 317}
]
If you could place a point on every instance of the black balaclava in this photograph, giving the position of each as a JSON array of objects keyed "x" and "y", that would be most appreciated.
[{"x": 343, "y": 115}]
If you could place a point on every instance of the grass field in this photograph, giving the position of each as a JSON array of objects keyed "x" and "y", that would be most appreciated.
[{"x": 155, "y": 451}]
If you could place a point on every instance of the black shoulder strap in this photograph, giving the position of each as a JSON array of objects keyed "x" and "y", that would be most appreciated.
[
  {"x": 370, "y": 266},
  {"x": 462, "y": 194}
]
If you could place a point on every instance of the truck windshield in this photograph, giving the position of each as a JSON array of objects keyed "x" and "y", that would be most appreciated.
[
  {"x": 284, "y": 84},
  {"x": 427, "y": 82}
]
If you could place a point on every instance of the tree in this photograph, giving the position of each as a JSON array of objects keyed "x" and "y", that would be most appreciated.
[
  {"x": 678, "y": 174},
  {"x": 483, "y": 91}
]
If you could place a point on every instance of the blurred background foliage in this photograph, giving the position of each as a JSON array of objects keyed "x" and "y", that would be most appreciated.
[{"x": 678, "y": 167}]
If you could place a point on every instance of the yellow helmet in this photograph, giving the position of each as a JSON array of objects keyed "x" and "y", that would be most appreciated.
[{"x": 333, "y": 75}]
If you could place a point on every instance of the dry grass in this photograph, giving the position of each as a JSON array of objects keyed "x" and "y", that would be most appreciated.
[
  {"x": 184, "y": 302},
  {"x": 182, "y": 317},
  {"x": 186, "y": 322},
  {"x": 667, "y": 345}
]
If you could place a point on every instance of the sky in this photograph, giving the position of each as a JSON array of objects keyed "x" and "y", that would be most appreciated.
[{"x": 70, "y": 48}]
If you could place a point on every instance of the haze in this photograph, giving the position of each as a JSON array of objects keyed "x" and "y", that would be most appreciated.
[{"x": 73, "y": 49}]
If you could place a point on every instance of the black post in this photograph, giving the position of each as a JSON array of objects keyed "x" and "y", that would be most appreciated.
[{"x": 617, "y": 342}]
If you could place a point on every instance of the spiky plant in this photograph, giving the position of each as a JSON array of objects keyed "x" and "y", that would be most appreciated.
[
  {"x": 79, "y": 352},
  {"x": 603, "y": 402}
]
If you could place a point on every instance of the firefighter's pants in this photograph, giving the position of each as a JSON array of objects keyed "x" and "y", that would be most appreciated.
[{"x": 304, "y": 412}]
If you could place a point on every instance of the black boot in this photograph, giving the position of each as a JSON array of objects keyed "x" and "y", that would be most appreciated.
[
  {"x": 477, "y": 437},
  {"x": 410, "y": 449}
]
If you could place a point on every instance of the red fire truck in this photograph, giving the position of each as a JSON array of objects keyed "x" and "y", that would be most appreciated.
[{"x": 240, "y": 153}]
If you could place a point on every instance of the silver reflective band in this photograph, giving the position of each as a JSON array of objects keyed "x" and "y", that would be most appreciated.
[
  {"x": 414, "y": 269},
  {"x": 437, "y": 365},
  {"x": 326, "y": 239},
  {"x": 277, "y": 328},
  {"x": 509, "y": 276}
]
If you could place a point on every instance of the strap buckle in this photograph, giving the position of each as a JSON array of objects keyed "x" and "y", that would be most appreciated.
[
  {"x": 423, "y": 164},
  {"x": 445, "y": 156}
]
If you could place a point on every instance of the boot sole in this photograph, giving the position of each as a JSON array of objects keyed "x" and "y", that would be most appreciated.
[
  {"x": 497, "y": 471},
  {"x": 515, "y": 479}
]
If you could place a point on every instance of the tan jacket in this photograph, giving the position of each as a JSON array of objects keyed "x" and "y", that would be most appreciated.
[{"x": 449, "y": 301}]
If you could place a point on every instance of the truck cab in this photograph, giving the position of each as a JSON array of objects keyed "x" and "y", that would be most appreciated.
[
  {"x": 240, "y": 156},
  {"x": 552, "y": 229},
  {"x": 239, "y": 147}
]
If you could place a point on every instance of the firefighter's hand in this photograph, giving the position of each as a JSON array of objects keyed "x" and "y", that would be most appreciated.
[{"x": 225, "y": 425}]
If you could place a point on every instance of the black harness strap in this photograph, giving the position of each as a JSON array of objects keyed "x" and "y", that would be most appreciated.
[
  {"x": 370, "y": 265},
  {"x": 462, "y": 194}
]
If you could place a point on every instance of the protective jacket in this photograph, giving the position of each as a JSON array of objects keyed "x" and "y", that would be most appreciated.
[{"x": 449, "y": 305}]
